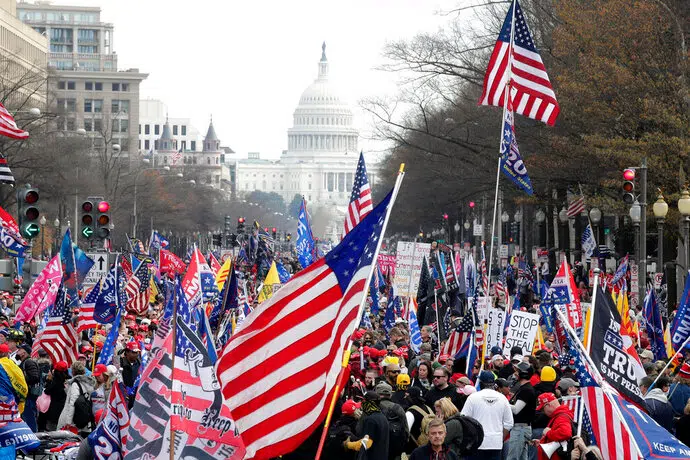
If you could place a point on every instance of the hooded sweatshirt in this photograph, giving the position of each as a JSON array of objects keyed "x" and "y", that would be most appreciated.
[
  {"x": 659, "y": 408},
  {"x": 560, "y": 428}
]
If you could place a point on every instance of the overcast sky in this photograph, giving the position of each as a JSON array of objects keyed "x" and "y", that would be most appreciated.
[{"x": 247, "y": 62}]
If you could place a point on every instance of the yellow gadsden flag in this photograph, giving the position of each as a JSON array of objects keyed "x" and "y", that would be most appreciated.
[{"x": 271, "y": 284}]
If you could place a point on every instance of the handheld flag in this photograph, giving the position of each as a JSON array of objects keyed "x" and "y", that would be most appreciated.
[
  {"x": 170, "y": 263},
  {"x": 511, "y": 162},
  {"x": 589, "y": 244},
  {"x": 42, "y": 292},
  {"x": 8, "y": 127},
  {"x": 519, "y": 65},
  {"x": 271, "y": 284},
  {"x": 680, "y": 328},
  {"x": 654, "y": 326},
  {"x": 109, "y": 436},
  {"x": 361, "y": 203},
  {"x": 305, "y": 239},
  {"x": 158, "y": 241}
]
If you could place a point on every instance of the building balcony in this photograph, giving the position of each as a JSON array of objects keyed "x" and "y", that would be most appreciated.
[{"x": 71, "y": 21}]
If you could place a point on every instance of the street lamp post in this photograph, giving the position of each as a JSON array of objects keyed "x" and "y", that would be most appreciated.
[
  {"x": 521, "y": 239},
  {"x": 43, "y": 236},
  {"x": 595, "y": 218},
  {"x": 635, "y": 215},
  {"x": 540, "y": 216},
  {"x": 684, "y": 208},
  {"x": 456, "y": 227},
  {"x": 505, "y": 217},
  {"x": 660, "y": 209},
  {"x": 563, "y": 217},
  {"x": 56, "y": 224}
]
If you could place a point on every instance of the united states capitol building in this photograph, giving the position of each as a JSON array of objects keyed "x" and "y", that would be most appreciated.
[{"x": 321, "y": 156}]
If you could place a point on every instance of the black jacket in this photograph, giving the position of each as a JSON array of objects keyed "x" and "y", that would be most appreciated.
[
  {"x": 55, "y": 388},
  {"x": 129, "y": 371},
  {"x": 450, "y": 391},
  {"x": 31, "y": 372},
  {"x": 376, "y": 426},
  {"x": 343, "y": 429},
  {"x": 425, "y": 453}
]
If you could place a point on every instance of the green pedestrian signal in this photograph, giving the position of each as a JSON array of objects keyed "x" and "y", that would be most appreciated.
[{"x": 87, "y": 232}]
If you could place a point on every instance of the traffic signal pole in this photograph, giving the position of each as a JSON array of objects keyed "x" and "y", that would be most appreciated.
[{"x": 643, "y": 232}]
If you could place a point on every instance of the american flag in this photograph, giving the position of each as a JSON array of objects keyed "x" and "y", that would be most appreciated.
[
  {"x": 6, "y": 176},
  {"x": 573, "y": 403},
  {"x": 8, "y": 127},
  {"x": 85, "y": 319},
  {"x": 126, "y": 267},
  {"x": 530, "y": 88},
  {"x": 138, "y": 290},
  {"x": 303, "y": 330},
  {"x": 576, "y": 205},
  {"x": 175, "y": 157},
  {"x": 458, "y": 344},
  {"x": 485, "y": 276},
  {"x": 360, "y": 200},
  {"x": 59, "y": 338},
  {"x": 608, "y": 429}
]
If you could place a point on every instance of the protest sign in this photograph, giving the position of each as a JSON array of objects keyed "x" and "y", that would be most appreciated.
[
  {"x": 494, "y": 330},
  {"x": 408, "y": 267},
  {"x": 521, "y": 332}
]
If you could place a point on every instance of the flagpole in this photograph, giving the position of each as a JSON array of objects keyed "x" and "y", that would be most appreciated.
[
  {"x": 346, "y": 352},
  {"x": 591, "y": 310},
  {"x": 506, "y": 99},
  {"x": 438, "y": 324},
  {"x": 172, "y": 366},
  {"x": 595, "y": 373},
  {"x": 409, "y": 286},
  {"x": 668, "y": 364}
]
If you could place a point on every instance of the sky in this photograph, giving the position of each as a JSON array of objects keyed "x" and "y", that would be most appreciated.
[{"x": 247, "y": 62}]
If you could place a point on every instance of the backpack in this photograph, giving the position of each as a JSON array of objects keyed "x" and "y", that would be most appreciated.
[
  {"x": 82, "y": 409},
  {"x": 397, "y": 437},
  {"x": 427, "y": 416},
  {"x": 472, "y": 436}
]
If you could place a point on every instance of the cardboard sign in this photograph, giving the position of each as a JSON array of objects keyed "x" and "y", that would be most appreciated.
[
  {"x": 521, "y": 331},
  {"x": 494, "y": 330},
  {"x": 408, "y": 267},
  {"x": 387, "y": 263}
]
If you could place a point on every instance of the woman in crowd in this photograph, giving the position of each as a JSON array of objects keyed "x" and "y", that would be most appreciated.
[
  {"x": 55, "y": 388},
  {"x": 79, "y": 384},
  {"x": 422, "y": 378}
]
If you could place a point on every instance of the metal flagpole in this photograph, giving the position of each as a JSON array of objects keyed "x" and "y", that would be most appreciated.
[
  {"x": 668, "y": 364},
  {"x": 438, "y": 324},
  {"x": 172, "y": 372},
  {"x": 346, "y": 352}
]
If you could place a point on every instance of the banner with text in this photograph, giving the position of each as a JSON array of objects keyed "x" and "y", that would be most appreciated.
[
  {"x": 494, "y": 329},
  {"x": 408, "y": 266},
  {"x": 522, "y": 331}
]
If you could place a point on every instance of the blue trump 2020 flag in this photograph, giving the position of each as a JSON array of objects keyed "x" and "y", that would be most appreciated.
[
  {"x": 511, "y": 161},
  {"x": 654, "y": 326},
  {"x": 680, "y": 328},
  {"x": 305, "y": 238}
]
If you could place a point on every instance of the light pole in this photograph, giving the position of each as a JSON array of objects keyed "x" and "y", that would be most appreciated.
[
  {"x": 563, "y": 217},
  {"x": 660, "y": 209},
  {"x": 136, "y": 178},
  {"x": 595, "y": 218},
  {"x": 540, "y": 216},
  {"x": 56, "y": 223},
  {"x": 505, "y": 218},
  {"x": 466, "y": 226},
  {"x": 518, "y": 219},
  {"x": 635, "y": 215},
  {"x": 684, "y": 208},
  {"x": 43, "y": 236},
  {"x": 456, "y": 227}
]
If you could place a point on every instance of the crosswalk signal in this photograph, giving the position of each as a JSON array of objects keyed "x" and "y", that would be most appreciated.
[
  {"x": 218, "y": 239},
  {"x": 103, "y": 220},
  {"x": 629, "y": 186},
  {"x": 87, "y": 219},
  {"x": 29, "y": 212}
]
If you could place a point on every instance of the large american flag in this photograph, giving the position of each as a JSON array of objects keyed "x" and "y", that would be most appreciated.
[
  {"x": 85, "y": 319},
  {"x": 458, "y": 344},
  {"x": 530, "y": 88},
  {"x": 297, "y": 338},
  {"x": 8, "y": 127},
  {"x": 138, "y": 290},
  {"x": 360, "y": 199},
  {"x": 610, "y": 433},
  {"x": 59, "y": 338},
  {"x": 576, "y": 205}
]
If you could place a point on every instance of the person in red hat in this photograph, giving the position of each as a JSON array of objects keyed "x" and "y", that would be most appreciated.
[
  {"x": 55, "y": 388},
  {"x": 560, "y": 426},
  {"x": 342, "y": 430},
  {"x": 130, "y": 363},
  {"x": 99, "y": 396},
  {"x": 679, "y": 392}
]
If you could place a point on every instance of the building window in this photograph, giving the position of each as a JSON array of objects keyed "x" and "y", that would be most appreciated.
[
  {"x": 174, "y": 130},
  {"x": 88, "y": 86},
  {"x": 147, "y": 144},
  {"x": 62, "y": 85},
  {"x": 184, "y": 130},
  {"x": 88, "y": 105},
  {"x": 98, "y": 105},
  {"x": 88, "y": 124},
  {"x": 119, "y": 106},
  {"x": 165, "y": 159},
  {"x": 147, "y": 129},
  {"x": 309, "y": 185},
  {"x": 184, "y": 145},
  {"x": 125, "y": 86},
  {"x": 98, "y": 86},
  {"x": 208, "y": 160},
  {"x": 156, "y": 129},
  {"x": 116, "y": 87},
  {"x": 98, "y": 125},
  {"x": 71, "y": 85},
  {"x": 192, "y": 146}
]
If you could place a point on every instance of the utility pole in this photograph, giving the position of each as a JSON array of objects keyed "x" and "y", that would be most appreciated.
[{"x": 643, "y": 231}]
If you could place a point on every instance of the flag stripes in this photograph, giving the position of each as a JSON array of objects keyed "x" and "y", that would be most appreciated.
[
  {"x": 8, "y": 127},
  {"x": 360, "y": 199}
]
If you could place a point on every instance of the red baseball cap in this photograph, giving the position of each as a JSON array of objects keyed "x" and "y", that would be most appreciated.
[
  {"x": 100, "y": 370},
  {"x": 133, "y": 346},
  {"x": 86, "y": 348},
  {"x": 4, "y": 348},
  {"x": 61, "y": 366},
  {"x": 350, "y": 406},
  {"x": 544, "y": 399},
  {"x": 443, "y": 358}
]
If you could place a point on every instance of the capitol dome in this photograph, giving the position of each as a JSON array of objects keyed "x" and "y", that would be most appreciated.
[{"x": 322, "y": 122}]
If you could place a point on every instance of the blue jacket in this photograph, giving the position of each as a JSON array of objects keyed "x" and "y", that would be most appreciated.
[
  {"x": 679, "y": 398},
  {"x": 660, "y": 409}
]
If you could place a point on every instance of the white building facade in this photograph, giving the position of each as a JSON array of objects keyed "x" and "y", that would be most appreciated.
[
  {"x": 153, "y": 115},
  {"x": 322, "y": 154}
]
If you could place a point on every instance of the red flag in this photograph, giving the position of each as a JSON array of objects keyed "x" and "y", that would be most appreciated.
[
  {"x": 8, "y": 127},
  {"x": 214, "y": 264},
  {"x": 170, "y": 263}
]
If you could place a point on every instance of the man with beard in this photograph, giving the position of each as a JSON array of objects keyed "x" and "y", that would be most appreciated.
[{"x": 374, "y": 429}]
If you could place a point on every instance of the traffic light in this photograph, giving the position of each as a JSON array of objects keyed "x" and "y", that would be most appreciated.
[
  {"x": 218, "y": 239},
  {"x": 240, "y": 225},
  {"x": 232, "y": 240},
  {"x": 274, "y": 233},
  {"x": 29, "y": 212},
  {"x": 629, "y": 186},
  {"x": 103, "y": 220},
  {"x": 87, "y": 219},
  {"x": 289, "y": 237},
  {"x": 227, "y": 225},
  {"x": 445, "y": 217}
]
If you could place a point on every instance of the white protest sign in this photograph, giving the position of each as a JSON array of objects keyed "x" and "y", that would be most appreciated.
[
  {"x": 634, "y": 284},
  {"x": 494, "y": 330},
  {"x": 408, "y": 265},
  {"x": 521, "y": 331},
  {"x": 482, "y": 309}
]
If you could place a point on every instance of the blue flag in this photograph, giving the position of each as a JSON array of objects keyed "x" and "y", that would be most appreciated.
[
  {"x": 680, "y": 328},
  {"x": 111, "y": 298},
  {"x": 305, "y": 239},
  {"x": 225, "y": 301},
  {"x": 654, "y": 326},
  {"x": 158, "y": 241},
  {"x": 366, "y": 322},
  {"x": 511, "y": 161},
  {"x": 108, "y": 351},
  {"x": 283, "y": 274},
  {"x": 12, "y": 243},
  {"x": 389, "y": 318},
  {"x": 415, "y": 333},
  {"x": 69, "y": 273},
  {"x": 589, "y": 244}
]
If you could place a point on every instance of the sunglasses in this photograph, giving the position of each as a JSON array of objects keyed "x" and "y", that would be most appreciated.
[
  {"x": 439, "y": 376},
  {"x": 394, "y": 372}
]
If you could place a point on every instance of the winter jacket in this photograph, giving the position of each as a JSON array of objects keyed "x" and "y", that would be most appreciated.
[
  {"x": 343, "y": 429},
  {"x": 683, "y": 429},
  {"x": 561, "y": 428},
  {"x": 545, "y": 387},
  {"x": 32, "y": 375},
  {"x": 659, "y": 408},
  {"x": 679, "y": 397},
  {"x": 87, "y": 383},
  {"x": 425, "y": 453},
  {"x": 55, "y": 388},
  {"x": 454, "y": 433}
]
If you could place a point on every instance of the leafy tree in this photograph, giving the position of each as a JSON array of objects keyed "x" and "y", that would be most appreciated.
[
  {"x": 270, "y": 200},
  {"x": 294, "y": 206}
]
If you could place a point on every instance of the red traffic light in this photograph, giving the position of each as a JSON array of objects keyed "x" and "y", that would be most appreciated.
[
  {"x": 31, "y": 196},
  {"x": 87, "y": 206},
  {"x": 266, "y": 229},
  {"x": 274, "y": 230},
  {"x": 103, "y": 206},
  {"x": 240, "y": 220},
  {"x": 471, "y": 204},
  {"x": 629, "y": 174},
  {"x": 628, "y": 187},
  {"x": 445, "y": 216}
]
